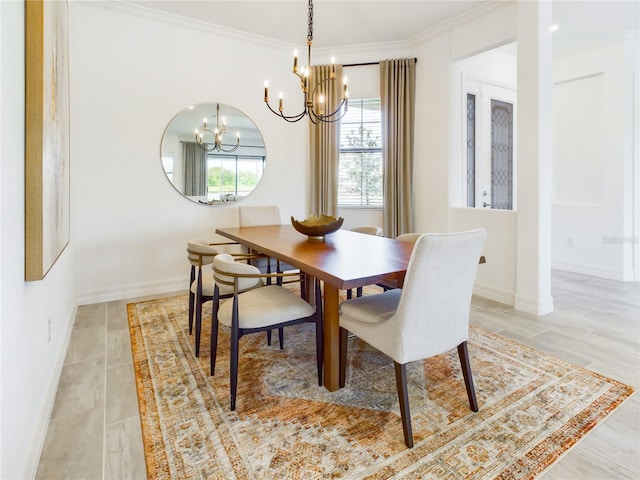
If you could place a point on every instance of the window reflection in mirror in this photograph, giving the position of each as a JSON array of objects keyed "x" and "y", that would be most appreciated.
[{"x": 208, "y": 168}]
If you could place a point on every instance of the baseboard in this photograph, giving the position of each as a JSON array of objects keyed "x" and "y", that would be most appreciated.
[
  {"x": 590, "y": 271},
  {"x": 533, "y": 305},
  {"x": 133, "y": 291},
  {"x": 496, "y": 294},
  {"x": 30, "y": 468}
]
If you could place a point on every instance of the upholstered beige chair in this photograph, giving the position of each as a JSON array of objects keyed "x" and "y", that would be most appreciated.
[
  {"x": 367, "y": 230},
  {"x": 427, "y": 317},
  {"x": 254, "y": 216},
  {"x": 257, "y": 309},
  {"x": 409, "y": 237},
  {"x": 200, "y": 252},
  {"x": 201, "y": 284},
  {"x": 404, "y": 237},
  {"x": 260, "y": 215}
]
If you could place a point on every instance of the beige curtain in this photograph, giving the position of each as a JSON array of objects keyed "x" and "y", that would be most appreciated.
[
  {"x": 195, "y": 169},
  {"x": 397, "y": 103},
  {"x": 324, "y": 142}
]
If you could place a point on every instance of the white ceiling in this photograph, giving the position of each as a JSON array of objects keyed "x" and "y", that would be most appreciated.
[{"x": 583, "y": 23}]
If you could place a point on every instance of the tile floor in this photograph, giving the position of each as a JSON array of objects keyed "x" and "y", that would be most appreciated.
[{"x": 94, "y": 431}]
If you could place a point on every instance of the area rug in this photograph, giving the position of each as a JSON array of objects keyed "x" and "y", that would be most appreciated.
[{"x": 533, "y": 408}]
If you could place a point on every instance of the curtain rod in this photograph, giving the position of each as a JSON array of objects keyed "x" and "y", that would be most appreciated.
[{"x": 368, "y": 63}]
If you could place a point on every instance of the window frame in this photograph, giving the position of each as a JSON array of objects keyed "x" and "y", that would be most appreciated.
[{"x": 362, "y": 150}]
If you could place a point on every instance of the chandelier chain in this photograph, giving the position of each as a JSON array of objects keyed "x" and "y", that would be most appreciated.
[{"x": 310, "y": 22}]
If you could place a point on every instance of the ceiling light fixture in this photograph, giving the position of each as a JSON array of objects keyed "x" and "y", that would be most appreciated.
[
  {"x": 217, "y": 135},
  {"x": 311, "y": 107}
]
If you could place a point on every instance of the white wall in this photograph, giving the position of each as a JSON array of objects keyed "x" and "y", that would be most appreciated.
[
  {"x": 592, "y": 198},
  {"x": 131, "y": 227},
  {"x": 438, "y": 153},
  {"x": 496, "y": 279},
  {"x": 30, "y": 363}
]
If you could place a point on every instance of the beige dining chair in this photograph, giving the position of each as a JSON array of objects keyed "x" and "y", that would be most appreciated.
[
  {"x": 201, "y": 283},
  {"x": 257, "y": 216},
  {"x": 260, "y": 215},
  {"x": 427, "y": 317},
  {"x": 200, "y": 252},
  {"x": 367, "y": 230},
  {"x": 262, "y": 308},
  {"x": 403, "y": 237}
]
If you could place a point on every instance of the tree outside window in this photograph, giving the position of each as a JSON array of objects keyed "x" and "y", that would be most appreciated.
[{"x": 360, "y": 172}]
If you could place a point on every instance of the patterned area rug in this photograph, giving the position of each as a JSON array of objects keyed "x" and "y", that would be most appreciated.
[{"x": 533, "y": 408}]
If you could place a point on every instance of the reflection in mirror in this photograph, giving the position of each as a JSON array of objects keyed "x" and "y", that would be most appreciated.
[{"x": 213, "y": 153}]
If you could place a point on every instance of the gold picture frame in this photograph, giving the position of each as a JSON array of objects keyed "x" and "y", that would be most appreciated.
[{"x": 47, "y": 163}]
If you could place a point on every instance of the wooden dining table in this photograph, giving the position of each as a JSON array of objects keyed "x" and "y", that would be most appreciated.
[{"x": 343, "y": 260}]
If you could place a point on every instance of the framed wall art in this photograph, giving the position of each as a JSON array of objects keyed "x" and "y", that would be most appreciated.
[{"x": 47, "y": 163}]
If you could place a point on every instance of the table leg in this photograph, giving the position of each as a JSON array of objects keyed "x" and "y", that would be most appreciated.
[{"x": 331, "y": 338}]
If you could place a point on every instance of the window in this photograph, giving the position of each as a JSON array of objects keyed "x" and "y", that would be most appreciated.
[
  {"x": 360, "y": 169},
  {"x": 489, "y": 145},
  {"x": 471, "y": 150},
  {"x": 167, "y": 164},
  {"x": 234, "y": 175}
]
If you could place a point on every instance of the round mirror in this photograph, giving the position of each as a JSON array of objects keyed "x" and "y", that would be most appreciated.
[{"x": 213, "y": 153}]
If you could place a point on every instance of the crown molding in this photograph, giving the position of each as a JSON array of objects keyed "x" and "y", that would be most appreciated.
[
  {"x": 147, "y": 13},
  {"x": 456, "y": 22}
]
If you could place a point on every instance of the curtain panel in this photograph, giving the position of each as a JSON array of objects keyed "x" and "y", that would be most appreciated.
[
  {"x": 324, "y": 143},
  {"x": 195, "y": 169},
  {"x": 397, "y": 105}
]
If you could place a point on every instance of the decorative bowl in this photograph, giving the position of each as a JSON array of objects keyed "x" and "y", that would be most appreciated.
[{"x": 317, "y": 226}]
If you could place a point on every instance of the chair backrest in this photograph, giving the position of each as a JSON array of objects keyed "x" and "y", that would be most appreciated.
[
  {"x": 377, "y": 231},
  {"x": 409, "y": 237},
  {"x": 433, "y": 313},
  {"x": 259, "y": 215},
  {"x": 200, "y": 252},
  {"x": 226, "y": 263}
]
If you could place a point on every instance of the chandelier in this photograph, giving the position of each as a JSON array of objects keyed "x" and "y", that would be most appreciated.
[
  {"x": 312, "y": 104},
  {"x": 216, "y": 134}
]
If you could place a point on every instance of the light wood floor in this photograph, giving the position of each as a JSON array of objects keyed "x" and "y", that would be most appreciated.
[{"x": 94, "y": 431}]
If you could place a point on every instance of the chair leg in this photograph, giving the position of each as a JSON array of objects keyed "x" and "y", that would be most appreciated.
[
  {"x": 403, "y": 398},
  {"x": 303, "y": 286},
  {"x": 359, "y": 292},
  {"x": 214, "y": 333},
  {"x": 198, "y": 312},
  {"x": 463, "y": 353},
  {"x": 349, "y": 294},
  {"x": 344, "y": 336},
  {"x": 235, "y": 338},
  {"x": 192, "y": 297},
  {"x": 278, "y": 270}
]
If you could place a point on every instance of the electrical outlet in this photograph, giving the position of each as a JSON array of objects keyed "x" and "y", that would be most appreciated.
[{"x": 49, "y": 330}]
